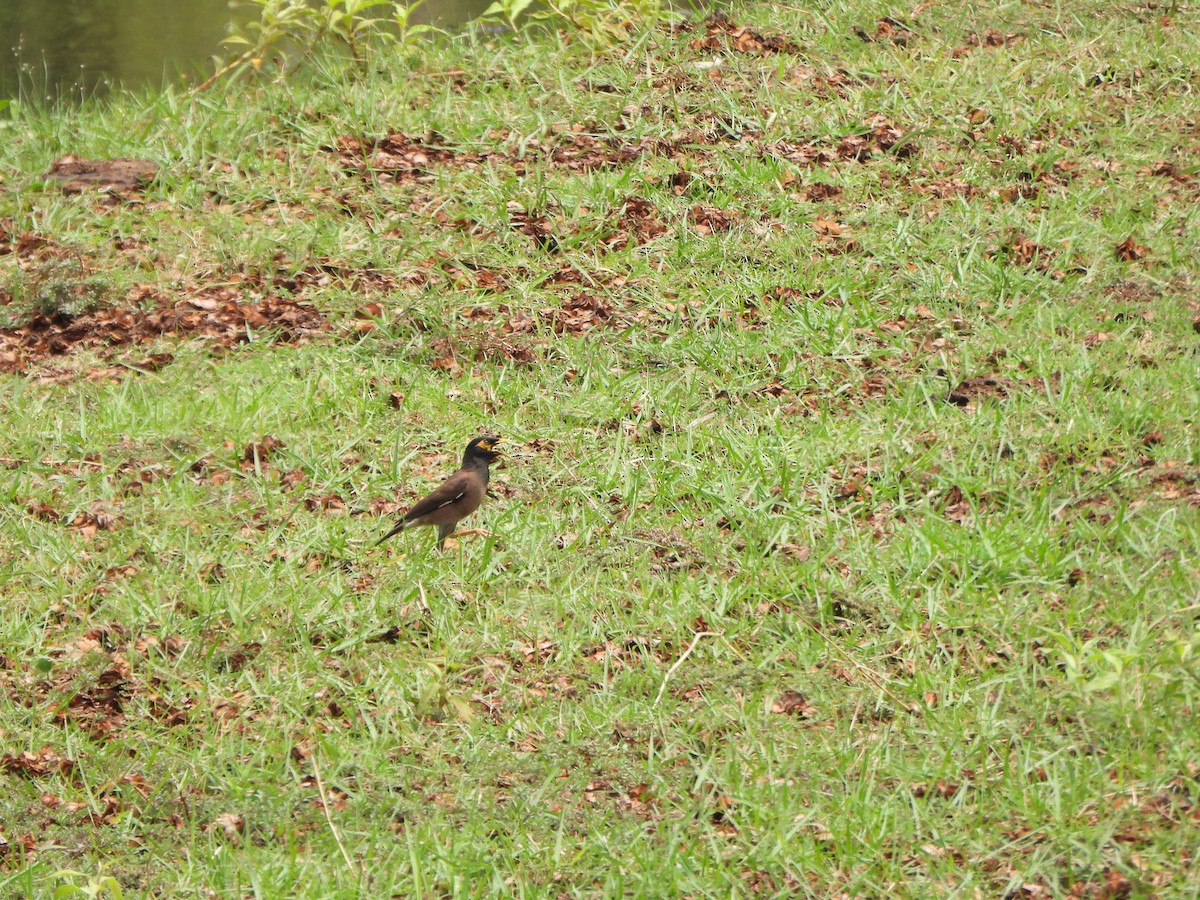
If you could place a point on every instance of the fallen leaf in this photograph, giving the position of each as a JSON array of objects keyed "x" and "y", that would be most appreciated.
[
  {"x": 1129, "y": 250},
  {"x": 792, "y": 703},
  {"x": 233, "y": 825}
]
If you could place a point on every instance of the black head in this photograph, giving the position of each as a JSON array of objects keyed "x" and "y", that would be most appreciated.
[{"x": 482, "y": 450}]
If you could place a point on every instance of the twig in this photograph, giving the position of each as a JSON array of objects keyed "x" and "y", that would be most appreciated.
[
  {"x": 679, "y": 662},
  {"x": 229, "y": 67},
  {"x": 328, "y": 818}
]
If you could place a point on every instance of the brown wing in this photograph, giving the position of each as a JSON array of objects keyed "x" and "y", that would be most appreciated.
[{"x": 458, "y": 496}]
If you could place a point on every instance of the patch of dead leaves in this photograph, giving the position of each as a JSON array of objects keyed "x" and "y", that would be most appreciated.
[
  {"x": 94, "y": 519},
  {"x": 721, "y": 33},
  {"x": 1022, "y": 250},
  {"x": 40, "y": 764},
  {"x": 579, "y": 313},
  {"x": 581, "y": 147},
  {"x": 990, "y": 39},
  {"x": 258, "y": 453},
  {"x": 538, "y": 227},
  {"x": 100, "y": 708},
  {"x": 710, "y": 220},
  {"x": 880, "y": 137},
  {"x": 398, "y": 158},
  {"x": 637, "y": 222},
  {"x": 215, "y": 314},
  {"x": 1130, "y": 250},
  {"x": 889, "y": 30}
]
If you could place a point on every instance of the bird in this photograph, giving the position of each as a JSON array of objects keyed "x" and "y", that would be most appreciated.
[{"x": 458, "y": 496}]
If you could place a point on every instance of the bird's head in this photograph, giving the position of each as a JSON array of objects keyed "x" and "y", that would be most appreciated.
[{"x": 482, "y": 449}]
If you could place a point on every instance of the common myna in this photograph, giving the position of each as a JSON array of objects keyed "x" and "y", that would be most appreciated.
[{"x": 459, "y": 495}]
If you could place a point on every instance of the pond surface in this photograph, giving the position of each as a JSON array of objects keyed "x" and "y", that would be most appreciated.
[{"x": 69, "y": 47}]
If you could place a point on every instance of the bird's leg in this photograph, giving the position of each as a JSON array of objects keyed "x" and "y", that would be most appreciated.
[{"x": 444, "y": 531}]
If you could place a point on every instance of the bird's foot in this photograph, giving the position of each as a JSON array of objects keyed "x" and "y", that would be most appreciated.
[{"x": 473, "y": 532}]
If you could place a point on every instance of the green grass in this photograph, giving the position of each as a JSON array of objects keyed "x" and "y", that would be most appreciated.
[{"x": 720, "y": 493}]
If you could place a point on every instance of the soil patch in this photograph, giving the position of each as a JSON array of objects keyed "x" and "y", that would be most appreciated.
[
  {"x": 120, "y": 175},
  {"x": 973, "y": 391}
]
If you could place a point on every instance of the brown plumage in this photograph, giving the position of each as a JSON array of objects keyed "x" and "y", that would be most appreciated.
[{"x": 458, "y": 496}]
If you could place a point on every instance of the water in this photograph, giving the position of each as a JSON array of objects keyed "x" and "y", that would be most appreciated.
[{"x": 51, "y": 48}]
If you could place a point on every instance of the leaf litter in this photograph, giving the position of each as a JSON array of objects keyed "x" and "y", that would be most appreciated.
[{"x": 219, "y": 315}]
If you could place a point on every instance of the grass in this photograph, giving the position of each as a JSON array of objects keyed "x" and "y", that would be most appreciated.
[{"x": 760, "y": 610}]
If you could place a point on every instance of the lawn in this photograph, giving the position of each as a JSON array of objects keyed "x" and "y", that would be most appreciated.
[{"x": 848, "y": 543}]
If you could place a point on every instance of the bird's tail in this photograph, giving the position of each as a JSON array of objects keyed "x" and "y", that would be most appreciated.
[{"x": 400, "y": 526}]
